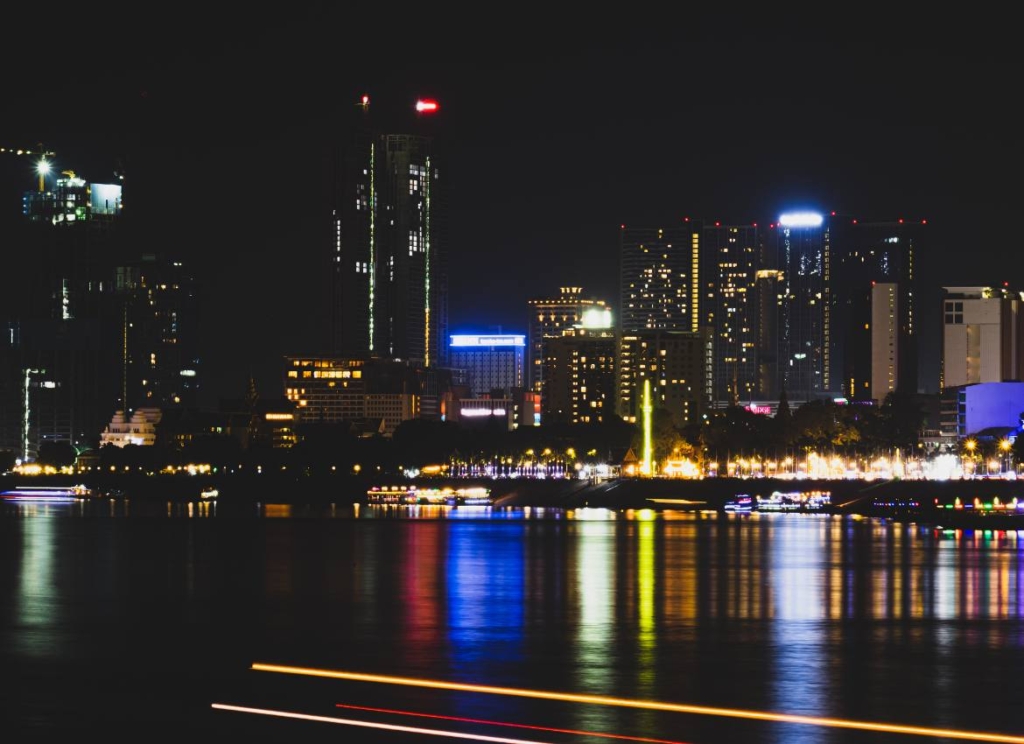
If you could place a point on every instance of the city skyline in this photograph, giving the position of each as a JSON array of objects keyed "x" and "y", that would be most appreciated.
[{"x": 226, "y": 137}]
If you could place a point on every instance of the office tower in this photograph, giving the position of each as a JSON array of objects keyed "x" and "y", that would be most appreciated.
[
  {"x": 982, "y": 335},
  {"x": 580, "y": 368},
  {"x": 160, "y": 328},
  {"x": 885, "y": 339},
  {"x": 800, "y": 249},
  {"x": 865, "y": 253},
  {"x": 659, "y": 278},
  {"x": 767, "y": 291},
  {"x": 549, "y": 317},
  {"x": 493, "y": 362},
  {"x": 678, "y": 364},
  {"x": 388, "y": 252},
  {"x": 730, "y": 260}
]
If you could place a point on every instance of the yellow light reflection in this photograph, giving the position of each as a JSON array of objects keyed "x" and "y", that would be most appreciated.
[
  {"x": 646, "y": 602},
  {"x": 595, "y": 585},
  {"x": 700, "y": 710}
]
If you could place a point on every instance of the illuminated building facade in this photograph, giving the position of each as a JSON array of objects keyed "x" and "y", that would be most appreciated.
[
  {"x": 885, "y": 339},
  {"x": 493, "y": 361},
  {"x": 580, "y": 368},
  {"x": 660, "y": 278},
  {"x": 800, "y": 245},
  {"x": 485, "y": 413},
  {"x": 823, "y": 268},
  {"x": 730, "y": 260},
  {"x": 678, "y": 365},
  {"x": 140, "y": 428},
  {"x": 982, "y": 335},
  {"x": 388, "y": 251},
  {"x": 549, "y": 318},
  {"x": 336, "y": 390}
]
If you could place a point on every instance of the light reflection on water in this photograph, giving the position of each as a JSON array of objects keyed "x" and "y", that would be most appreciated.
[{"x": 805, "y": 614}]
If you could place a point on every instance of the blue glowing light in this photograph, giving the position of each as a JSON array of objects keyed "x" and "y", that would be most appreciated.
[{"x": 801, "y": 219}]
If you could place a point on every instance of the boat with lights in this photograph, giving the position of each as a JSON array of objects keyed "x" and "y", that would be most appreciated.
[
  {"x": 48, "y": 494},
  {"x": 414, "y": 495}
]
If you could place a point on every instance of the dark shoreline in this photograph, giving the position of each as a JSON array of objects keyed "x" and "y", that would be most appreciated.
[{"x": 910, "y": 500}]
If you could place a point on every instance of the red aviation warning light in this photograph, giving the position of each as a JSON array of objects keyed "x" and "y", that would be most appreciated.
[{"x": 425, "y": 105}]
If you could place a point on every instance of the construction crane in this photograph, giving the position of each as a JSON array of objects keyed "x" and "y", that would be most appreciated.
[{"x": 42, "y": 165}]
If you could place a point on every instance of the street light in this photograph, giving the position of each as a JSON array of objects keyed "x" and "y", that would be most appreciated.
[
  {"x": 1005, "y": 445},
  {"x": 970, "y": 446}
]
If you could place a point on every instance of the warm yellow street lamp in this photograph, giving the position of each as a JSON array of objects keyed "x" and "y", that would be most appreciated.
[
  {"x": 970, "y": 446},
  {"x": 1005, "y": 445}
]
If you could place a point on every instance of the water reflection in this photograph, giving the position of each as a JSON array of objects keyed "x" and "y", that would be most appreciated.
[{"x": 804, "y": 614}]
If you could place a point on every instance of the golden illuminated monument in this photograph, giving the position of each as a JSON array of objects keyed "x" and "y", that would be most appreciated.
[{"x": 646, "y": 466}]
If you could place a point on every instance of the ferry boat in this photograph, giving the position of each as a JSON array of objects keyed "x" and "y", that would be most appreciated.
[
  {"x": 209, "y": 493},
  {"x": 412, "y": 495},
  {"x": 741, "y": 504},
  {"x": 795, "y": 501},
  {"x": 49, "y": 494}
]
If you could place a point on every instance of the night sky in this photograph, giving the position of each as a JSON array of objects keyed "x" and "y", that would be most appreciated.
[{"x": 556, "y": 135}]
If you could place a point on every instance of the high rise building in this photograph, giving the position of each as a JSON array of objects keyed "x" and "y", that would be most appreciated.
[
  {"x": 823, "y": 268},
  {"x": 800, "y": 249},
  {"x": 866, "y": 253},
  {"x": 580, "y": 368},
  {"x": 886, "y": 342},
  {"x": 679, "y": 366},
  {"x": 982, "y": 335},
  {"x": 549, "y": 318},
  {"x": 730, "y": 260},
  {"x": 71, "y": 227},
  {"x": 767, "y": 292},
  {"x": 160, "y": 366},
  {"x": 60, "y": 383},
  {"x": 492, "y": 361},
  {"x": 659, "y": 278},
  {"x": 388, "y": 252}
]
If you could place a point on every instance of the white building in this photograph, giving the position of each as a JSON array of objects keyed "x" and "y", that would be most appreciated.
[
  {"x": 140, "y": 429},
  {"x": 982, "y": 336}
]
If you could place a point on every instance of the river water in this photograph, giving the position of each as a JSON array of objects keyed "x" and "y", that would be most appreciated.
[{"x": 133, "y": 620}]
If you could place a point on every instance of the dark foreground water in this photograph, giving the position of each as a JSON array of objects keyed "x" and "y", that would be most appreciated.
[{"x": 142, "y": 621}]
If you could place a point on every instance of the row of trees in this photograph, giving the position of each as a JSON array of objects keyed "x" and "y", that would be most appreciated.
[{"x": 822, "y": 426}]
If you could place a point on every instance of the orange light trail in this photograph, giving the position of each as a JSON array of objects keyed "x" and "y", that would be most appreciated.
[
  {"x": 369, "y": 724},
  {"x": 503, "y": 723},
  {"x": 700, "y": 710}
]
